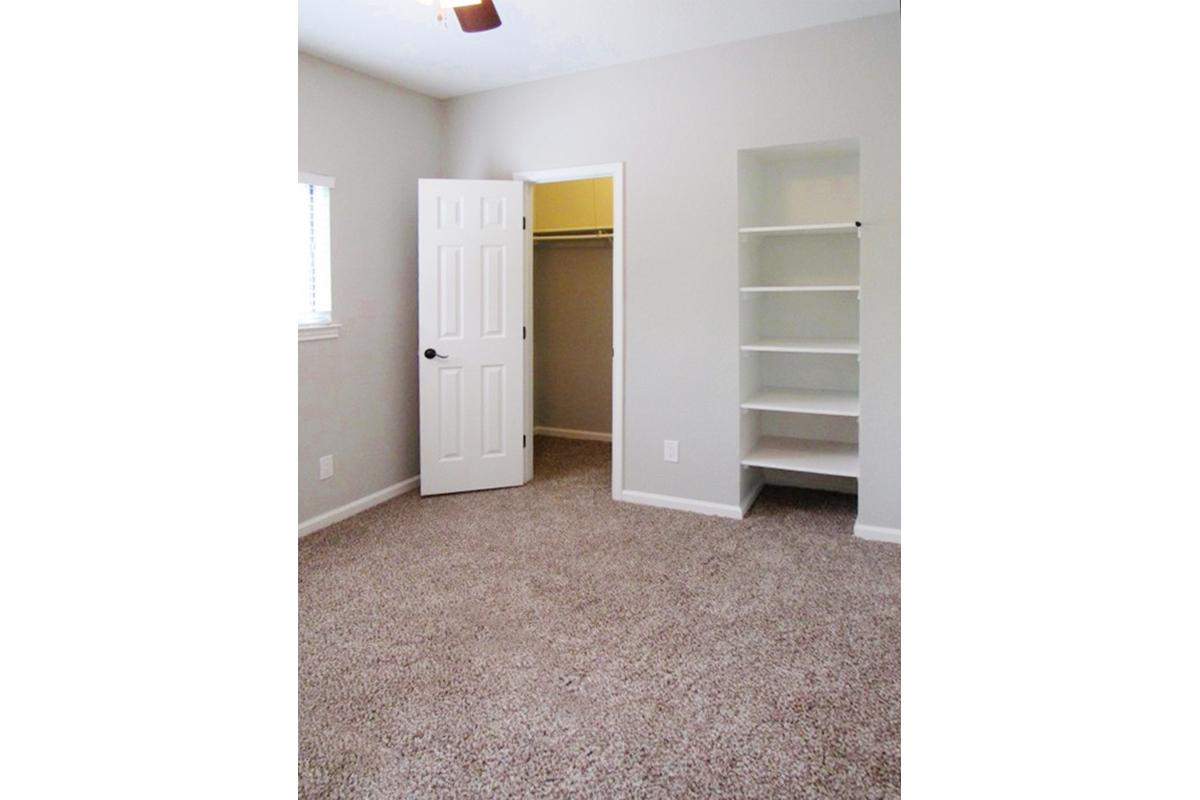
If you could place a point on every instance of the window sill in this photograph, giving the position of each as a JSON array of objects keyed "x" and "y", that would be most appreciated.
[{"x": 315, "y": 333}]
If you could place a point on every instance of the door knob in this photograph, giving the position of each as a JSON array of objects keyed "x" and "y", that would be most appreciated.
[{"x": 431, "y": 353}]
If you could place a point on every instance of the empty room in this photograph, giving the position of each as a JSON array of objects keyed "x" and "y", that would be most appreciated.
[{"x": 599, "y": 399}]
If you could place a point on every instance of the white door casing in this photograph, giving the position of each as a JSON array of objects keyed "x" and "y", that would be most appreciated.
[
  {"x": 616, "y": 171},
  {"x": 471, "y": 311}
]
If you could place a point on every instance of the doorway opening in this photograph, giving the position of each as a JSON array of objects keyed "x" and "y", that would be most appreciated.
[{"x": 574, "y": 300}]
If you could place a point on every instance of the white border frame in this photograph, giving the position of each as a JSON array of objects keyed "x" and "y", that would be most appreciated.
[{"x": 616, "y": 171}]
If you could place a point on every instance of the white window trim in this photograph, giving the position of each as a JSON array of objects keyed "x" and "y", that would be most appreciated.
[
  {"x": 324, "y": 330},
  {"x": 318, "y": 331},
  {"x": 317, "y": 180}
]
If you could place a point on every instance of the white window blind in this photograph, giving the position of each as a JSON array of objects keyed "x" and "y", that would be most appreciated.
[{"x": 314, "y": 295}]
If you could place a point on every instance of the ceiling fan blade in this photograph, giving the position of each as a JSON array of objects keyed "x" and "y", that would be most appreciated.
[{"x": 482, "y": 17}]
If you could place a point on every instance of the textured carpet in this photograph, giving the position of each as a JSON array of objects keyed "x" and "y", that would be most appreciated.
[{"x": 545, "y": 641}]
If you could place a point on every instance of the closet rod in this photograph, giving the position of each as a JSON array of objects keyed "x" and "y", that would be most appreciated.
[{"x": 572, "y": 236}]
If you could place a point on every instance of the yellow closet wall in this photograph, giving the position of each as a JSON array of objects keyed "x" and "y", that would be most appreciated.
[
  {"x": 572, "y": 205},
  {"x": 602, "y": 189}
]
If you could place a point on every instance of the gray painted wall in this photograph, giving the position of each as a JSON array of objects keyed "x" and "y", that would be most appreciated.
[
  {"x": 358, "y": 393},
  {"x": 677, "y": 122},
  {"x": 572, "y": 353}
]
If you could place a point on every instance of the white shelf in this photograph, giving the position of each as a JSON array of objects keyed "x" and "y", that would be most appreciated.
[
  {"x": 804, "y": 455},
  {"x": 797, "y": 230},
  {"x": 833, "y": 288},
  {"x": 586, "y": 229},
  {"x": 833, "y": 346},
  {"x": 805, "y": 401}
]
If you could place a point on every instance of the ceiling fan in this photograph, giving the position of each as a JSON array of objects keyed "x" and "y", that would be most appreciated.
[{"x": 474, "y": 16}]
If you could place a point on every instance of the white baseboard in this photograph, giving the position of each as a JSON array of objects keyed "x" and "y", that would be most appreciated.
[
  {"x": 567, "y": 433},
  {"x": 877, "y": 533},
  {"x": 320, "y": 521},
  {"x": 682, "y": 504}
]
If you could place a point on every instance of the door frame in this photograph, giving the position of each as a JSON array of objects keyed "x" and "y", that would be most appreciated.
[{"x": 616, "y": 171}]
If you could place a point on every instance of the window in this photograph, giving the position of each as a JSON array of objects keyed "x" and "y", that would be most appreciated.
[{"x": 314, "y": 297}]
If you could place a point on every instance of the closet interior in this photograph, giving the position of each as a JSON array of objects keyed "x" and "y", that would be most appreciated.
[
  {"x": 572, "y": 308},
  {"x": 798, "y": 268}
]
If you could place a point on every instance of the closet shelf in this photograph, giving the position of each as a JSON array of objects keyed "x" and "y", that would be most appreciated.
[
  {"x": 796, "y": 230},
  {"x": 576, "y": 229},
  {"x": 831, "y": 288},
  {"x": 804, "y": 401},
  {"x": 830, "y": 346},
  {"x": 804, "y": 455}
]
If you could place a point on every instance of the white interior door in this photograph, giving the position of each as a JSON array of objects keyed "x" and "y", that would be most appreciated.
[{"x": 471, "y": 310}]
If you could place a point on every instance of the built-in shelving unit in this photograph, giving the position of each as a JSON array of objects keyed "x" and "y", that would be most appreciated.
[{"x": 798, "y": 284}]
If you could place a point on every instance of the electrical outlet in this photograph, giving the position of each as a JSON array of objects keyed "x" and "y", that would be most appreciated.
[
  {"x": 670, "y": 451},
  {"x": 326, "y": 467}
]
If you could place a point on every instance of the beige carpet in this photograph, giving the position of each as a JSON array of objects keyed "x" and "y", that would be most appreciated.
[{"x": 547, "y": 642}]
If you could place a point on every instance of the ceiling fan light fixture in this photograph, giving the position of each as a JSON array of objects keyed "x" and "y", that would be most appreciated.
[{"x": 477, "y": 17}]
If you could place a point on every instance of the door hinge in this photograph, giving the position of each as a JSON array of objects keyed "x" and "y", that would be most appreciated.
[
  {"x": 522, "y": 223},
  {"x": 522, "y": 331},
  {"x": 524, "y": 442}
]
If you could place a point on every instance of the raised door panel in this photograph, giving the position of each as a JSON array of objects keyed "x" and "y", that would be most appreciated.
[
  {"x": 493, "y": 412},
  {"x": 450, "y": 297},
  {"x": 450, "y": 413},
  {"x": 494, "y": 289}
]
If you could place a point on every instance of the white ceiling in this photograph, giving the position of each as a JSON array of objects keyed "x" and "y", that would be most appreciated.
[{"x": 400, "y": 41}]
